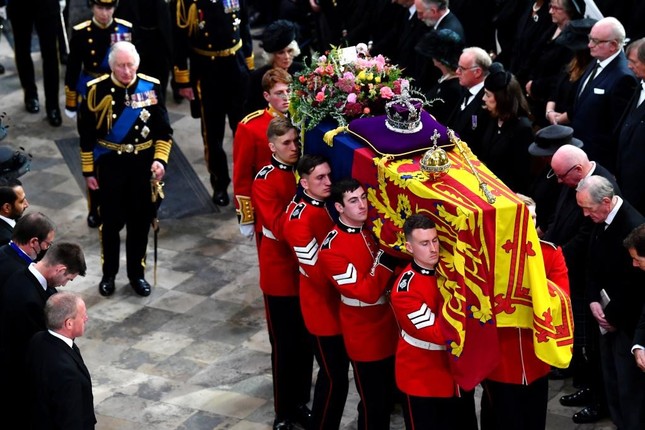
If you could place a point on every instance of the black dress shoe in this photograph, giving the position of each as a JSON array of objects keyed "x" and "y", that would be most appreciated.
[
  {"x": 303, "y": 417},
  {"x": 558, "y": 374},
  {"x": 220, "y": 198},
  {"x": 54, "y": 118},
  {"x": 106, "y": 286},
  {"x": 141, "y": 287},
  {"x": 581, "y": 397},
  {"x": 282, "y": 425},
  {"x": 590, "y": 414},
  {"x": 32, "y": 105},
  {"x": 93, "y": 220}
]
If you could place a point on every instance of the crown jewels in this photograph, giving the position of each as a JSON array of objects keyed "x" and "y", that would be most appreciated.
[
  {"x": 404, "y": 112},
  {"x": 435, "y": 163}
]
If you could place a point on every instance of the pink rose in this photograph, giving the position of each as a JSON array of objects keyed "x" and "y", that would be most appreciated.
[
  {"x": 351, "y": 98},
  {"x": 320, "y": 96},
  {"x": 386, "y": 93}
]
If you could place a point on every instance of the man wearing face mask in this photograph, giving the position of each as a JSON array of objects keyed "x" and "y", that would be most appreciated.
[
  {"x": 33, "y": 235},
  {"x": 21, "y": 315}
]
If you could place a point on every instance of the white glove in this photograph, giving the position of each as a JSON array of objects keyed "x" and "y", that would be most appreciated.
[
  {"x": 3, "y": 12},
  {"x": 70, "y": 114},
  {"x": 247, "y": 230},
  {"x": 62, "y": 4}
]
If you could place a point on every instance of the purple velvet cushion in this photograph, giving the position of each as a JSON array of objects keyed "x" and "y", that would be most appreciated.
[{"x": 385, "y": 141}]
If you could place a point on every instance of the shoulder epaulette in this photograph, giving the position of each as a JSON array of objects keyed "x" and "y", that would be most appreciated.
[
  {"x": 404, "y": 282},
  {"x": 148, "y": 78},
  {"x": 549, "y": 243},
  {"x": 252, "y": 115},
  {"x": 123, "y": 22},
  {"x": 297, "y": 211},
  {"x": 97, "y": 80},
  {"x": 330, "y": 236},
  {"x": 262, "y": 174},
  {"x": 82, "y": 25}
]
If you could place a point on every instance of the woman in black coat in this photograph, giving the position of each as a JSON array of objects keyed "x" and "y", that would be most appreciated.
[
  {"x": 507, "y": 138},
  {"x": 443, "y": 47}
]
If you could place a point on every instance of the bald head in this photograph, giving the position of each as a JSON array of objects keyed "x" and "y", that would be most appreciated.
[{"x": 570, "y": 164}]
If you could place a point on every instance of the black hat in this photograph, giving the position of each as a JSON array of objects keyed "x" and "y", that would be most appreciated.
[
  {"x": 575, "y": 35},
  {"x": 549, "y": 139},
  {"x": 443, "y": 45},
  {"x": 104, "y": 3},
  {"x": 13, "y": 163},
  {"x": 278, "y": 35},
  {"x": 497, "y": 78}
]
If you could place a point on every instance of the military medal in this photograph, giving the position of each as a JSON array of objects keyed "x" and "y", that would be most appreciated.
[
  {"x": 145, "y": 131},
  {"x": 127, "y": 98},
  {"x": 144, "y": 115},
  {"x": 231, "y": 6}
]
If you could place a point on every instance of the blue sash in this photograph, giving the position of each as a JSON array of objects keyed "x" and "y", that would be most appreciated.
[{"x": 125, "y": 121}]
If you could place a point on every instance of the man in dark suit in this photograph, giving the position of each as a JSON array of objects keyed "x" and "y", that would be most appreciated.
[
  {"x": 470, "y": 119},
  {"x": 410, "y": 31},
  {"x": 33, "y": 235},
  {"x": 571, "y": 230},
  {"x": 631, "y": 151},
  {"x": 437, "y": 15},
  {"x": 635, "y": 245},
  {"x": 13, "y": 203},
  {"x": 60, "y": 385},
  {"x": 603, "y": 93},
  {"x": 23, "y": 298},
  {"x": 616, "y": 296}
]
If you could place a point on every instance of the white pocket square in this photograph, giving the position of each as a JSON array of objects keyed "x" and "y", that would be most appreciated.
[{"x": 599, "y": 91}]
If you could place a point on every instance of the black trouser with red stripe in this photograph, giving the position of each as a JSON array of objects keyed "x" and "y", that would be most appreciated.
[
  {"x": 291, "y": 355},
  {"x": 332, "y": 383},
  {"x": 440, "y": 413},
  {"x": 376, "y": 388}
]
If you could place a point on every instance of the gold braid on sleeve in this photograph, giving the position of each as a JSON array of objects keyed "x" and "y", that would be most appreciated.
[
  {"x": 103, "y": 109},
  {"x": 187, "y": 20}
]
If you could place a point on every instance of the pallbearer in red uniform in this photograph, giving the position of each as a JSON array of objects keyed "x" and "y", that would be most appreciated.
[
  {"x": 291, "y": 352},
  {"x": 432, "y": 398},
  {"x": 516, "y": 392},
  {"x": 307, "y": 225},
  {"x": 351, "y": 260},
  {"x": 251, "y": 148}
]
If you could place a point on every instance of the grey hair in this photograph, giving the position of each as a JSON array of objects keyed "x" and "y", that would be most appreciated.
[
  {"x": 598, "y": 188},
  {"x": 123, "y": 46},
  {"x": 60, "y": 307},
  {"x": 482, "y": 59}
]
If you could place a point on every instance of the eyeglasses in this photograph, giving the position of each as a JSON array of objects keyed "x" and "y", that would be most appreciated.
[
  {"x": 596, "y": 42},
  {"x": 555, "y": 7},
  {"x": 463, "y": 69},
  {"x": 560, "y": 177},
  {"x": 46, "y": 242}
]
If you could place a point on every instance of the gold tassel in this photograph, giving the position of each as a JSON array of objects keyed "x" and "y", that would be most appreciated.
[{"x": 328, "y": 138}]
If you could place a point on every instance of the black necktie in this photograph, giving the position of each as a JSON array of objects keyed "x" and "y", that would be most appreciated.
[
  {"x": 464, "y": 102},
  {"x": 592, "y": 76}
]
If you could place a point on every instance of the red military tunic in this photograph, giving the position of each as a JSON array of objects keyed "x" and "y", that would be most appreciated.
[
  {"x": 347, "y": 258},
  {"x": 519, "y": 364},
  {"x": 250, "y": 153},
  {"x": 422, "y": 367},
  {"x": 305, "y": 229},
  {"x": 273, "y": 188}
]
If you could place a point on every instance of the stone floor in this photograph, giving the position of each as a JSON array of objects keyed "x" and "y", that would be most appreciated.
[{"x": 195, "y": 353}]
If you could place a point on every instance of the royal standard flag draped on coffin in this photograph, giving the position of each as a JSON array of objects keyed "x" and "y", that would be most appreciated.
[{"x": 492, "y": 272}]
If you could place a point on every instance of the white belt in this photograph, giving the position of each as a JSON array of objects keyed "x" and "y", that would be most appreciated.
[
  {"x": 358, "y": 304},
  {"x": 421, "y": 343},
  {"x": 268, "y": 233}
]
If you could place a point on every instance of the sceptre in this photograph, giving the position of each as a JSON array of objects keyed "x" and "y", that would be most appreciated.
[{"x": 482, "y": 185}]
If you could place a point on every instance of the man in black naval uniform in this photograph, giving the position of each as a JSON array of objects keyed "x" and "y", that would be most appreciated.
[
  {"x": 216, "y": 37},
  {"x": 88, "y": 59},
  {"x": 44, "y": 16},
  {"x": 125, "y": 142}
]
